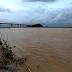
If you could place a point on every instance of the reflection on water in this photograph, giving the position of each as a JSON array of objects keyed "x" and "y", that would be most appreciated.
[{"x": 47, "y": 49}]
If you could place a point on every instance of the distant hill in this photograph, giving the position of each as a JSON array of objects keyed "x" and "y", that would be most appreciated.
[{"x": 35, "y": 25}]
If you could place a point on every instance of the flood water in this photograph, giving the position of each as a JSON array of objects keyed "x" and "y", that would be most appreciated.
[{"x": 46, "y": 49}]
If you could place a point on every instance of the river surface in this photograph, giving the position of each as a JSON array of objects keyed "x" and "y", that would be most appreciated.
[{"x": 46, "y": 49}]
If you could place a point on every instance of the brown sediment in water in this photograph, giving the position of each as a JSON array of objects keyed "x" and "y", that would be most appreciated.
[{"x": 49, "y": 47}]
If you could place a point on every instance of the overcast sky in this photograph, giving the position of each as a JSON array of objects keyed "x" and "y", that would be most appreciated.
[{"x": 36, "y": 11}]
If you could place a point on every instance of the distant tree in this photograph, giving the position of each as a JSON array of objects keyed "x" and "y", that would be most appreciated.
[{"x": 46, "y": 26}]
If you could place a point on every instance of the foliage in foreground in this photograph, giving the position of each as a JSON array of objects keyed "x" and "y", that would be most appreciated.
[{"x": 7, "y": 59}]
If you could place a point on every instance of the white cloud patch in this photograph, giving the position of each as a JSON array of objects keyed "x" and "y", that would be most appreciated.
[{"x": 59, "y": 17}]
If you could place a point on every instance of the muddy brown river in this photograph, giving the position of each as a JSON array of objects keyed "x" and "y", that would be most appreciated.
[{"x": 46, "y": 49}]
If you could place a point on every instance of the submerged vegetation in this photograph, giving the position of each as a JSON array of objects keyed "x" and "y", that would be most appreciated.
[{"x": 8, "y": 62}]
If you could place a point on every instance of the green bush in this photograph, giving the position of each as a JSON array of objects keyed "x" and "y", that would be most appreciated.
[{"x": 7, "y": 55}]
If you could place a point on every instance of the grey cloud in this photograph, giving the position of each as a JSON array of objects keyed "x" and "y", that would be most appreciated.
[
  {"x": 59, "y": 16},
  {"x": 3, "y": 20},
  {"x": 55, "y": 16},
  {"x": 2, "y": 9},
  {"x": 41, "y": 15},
  {"x": 39, "y": 0}
]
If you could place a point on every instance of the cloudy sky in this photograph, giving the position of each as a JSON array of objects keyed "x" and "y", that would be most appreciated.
[{"x": 46, "y": 12}]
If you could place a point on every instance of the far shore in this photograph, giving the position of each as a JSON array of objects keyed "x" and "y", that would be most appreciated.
[{"x": 36, "y": 27}]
